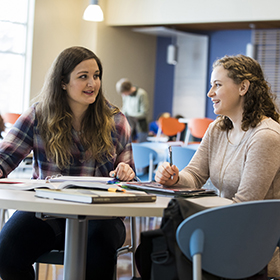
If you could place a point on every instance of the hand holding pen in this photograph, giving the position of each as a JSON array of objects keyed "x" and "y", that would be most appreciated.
[
  {"x": 167, "y": 174},
  {"x": 123, "y": 172},
  {"x": 170, "y": 158}
]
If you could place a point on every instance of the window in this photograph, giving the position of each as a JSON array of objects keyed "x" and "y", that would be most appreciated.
[
  {"x": 16, "y": 28},
  {"x": 267, "y": 44}
]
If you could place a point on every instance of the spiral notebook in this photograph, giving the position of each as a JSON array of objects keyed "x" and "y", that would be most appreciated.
[{"x": 153, "y": 187}]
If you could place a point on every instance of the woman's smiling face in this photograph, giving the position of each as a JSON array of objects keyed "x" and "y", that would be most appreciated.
[
  {"x": 225, "y": 94},
  {"x": 84, "y": 84}
]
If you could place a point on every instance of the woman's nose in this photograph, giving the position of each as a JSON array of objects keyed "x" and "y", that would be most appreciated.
[
  {"x": 210, "y": 92},
  {"x": 90, "y": 82}
]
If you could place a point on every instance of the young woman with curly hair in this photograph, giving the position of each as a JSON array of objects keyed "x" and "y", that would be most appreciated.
[
  {"x": 240, "y": 150},
  {"x": 73, "y": 130}
]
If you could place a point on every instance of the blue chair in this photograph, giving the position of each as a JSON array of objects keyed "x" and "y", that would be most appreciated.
[
  {"x": 235, "y": 241},
  {"x": 144, "y": 157},
  {"x": 182, "y": 156}
]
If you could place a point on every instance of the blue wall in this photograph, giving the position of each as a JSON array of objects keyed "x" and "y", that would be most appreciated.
[
  {"x": 164, "y": 79},
  {"x": 227, "y": 42}
]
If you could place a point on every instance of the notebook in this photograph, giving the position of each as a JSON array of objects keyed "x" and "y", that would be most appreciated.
[
  {"x": 153, "y": 187},
  {"x": 95, "y": 196},
  {"x": 98, "y": 183},
  {"x": 59, "y": 178}
]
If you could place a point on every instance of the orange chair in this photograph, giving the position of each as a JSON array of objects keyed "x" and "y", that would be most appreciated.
[
  {"x": 197, "y": 128},
  {"x": 171, "y": 126},
  {"x": 10, "y": 117}
]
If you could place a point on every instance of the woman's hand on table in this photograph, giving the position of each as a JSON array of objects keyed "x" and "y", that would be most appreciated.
[
  {"x": 167, "y": 175},
  {"x": 123, "y": 172}
]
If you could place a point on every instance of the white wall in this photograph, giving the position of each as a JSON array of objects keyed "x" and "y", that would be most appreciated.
[
  {"x": 124, "y": 53},
  {"x": 56, "y": 27},
  {"x": 142, "y": 12},
  {"x": 190, "y": 77}
]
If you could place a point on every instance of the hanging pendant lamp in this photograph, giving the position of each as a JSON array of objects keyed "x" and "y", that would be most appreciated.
[{"x": 93, "y": 12}]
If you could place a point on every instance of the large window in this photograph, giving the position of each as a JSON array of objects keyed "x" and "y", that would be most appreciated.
[
  {"x": 267, "y": 52},
  {"x": 16, "y": 28}
]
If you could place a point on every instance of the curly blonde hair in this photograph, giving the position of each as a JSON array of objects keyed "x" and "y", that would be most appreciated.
[
  {"x": 259, "y": 101},
  {"x": 55, "y": 116}
]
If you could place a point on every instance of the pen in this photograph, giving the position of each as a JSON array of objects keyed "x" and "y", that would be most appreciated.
[
  {"x": 170, "y": 155},
  {"x": 113, "y": 181},
  {"x": 10, "y": 182},
  {"x": 116, "y": 181},
  {"x": 88, "y": 191},
  {"x": 115, "y": 190},
  {"x": 170, "y": 158},
  {"x": 136, "y": 179}
]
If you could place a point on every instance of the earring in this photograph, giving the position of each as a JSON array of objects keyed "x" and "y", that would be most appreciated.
[{"x": 64, "y": 87}]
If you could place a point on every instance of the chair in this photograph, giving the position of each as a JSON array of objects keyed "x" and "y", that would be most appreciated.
[
  {"x": 235, "y": 241},
  {"x": 181, "y": 156},
  {"x": 160, "y": 148},
  {"x": 10, "y": 118},
  {"x": 197, "y": 128},
  {"x": 170, "y": 127},
  {"x": 129, "y": 249},
  {"x": 56, "y": 257},
  {"x": 144, "y": 157}
]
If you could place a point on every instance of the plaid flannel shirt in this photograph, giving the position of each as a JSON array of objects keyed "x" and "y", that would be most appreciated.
[{"x": 24, "y": 137}]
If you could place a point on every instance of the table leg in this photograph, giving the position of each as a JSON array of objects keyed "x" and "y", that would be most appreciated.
[
  {"x": 75, "y": 249},
  {"x": 134, "y": 270},
  {"x": 2, "y": 217}
]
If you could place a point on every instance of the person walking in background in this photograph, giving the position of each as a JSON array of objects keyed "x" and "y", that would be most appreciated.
[
  {"x": 73, "y": 130},
  {"x": 135, "y": 107},
  {"x": 240, "y": 150}
]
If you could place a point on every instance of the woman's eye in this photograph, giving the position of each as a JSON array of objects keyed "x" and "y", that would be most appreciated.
[
  {"x": 214, "y": 86},
  {"x": 83, "y": 76},
  {"x": 96, "y": 77}
]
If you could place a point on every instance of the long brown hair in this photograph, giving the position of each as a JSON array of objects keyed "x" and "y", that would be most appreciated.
[
  {"x": 2, "y": 126},
  {"x": 259, "y": 100},
  {"x": 55, "y": 116}
]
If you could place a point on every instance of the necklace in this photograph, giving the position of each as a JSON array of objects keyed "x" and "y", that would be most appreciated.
[
  {"x": 222, "y": 174},
  {"x": 78, "y": 132}
]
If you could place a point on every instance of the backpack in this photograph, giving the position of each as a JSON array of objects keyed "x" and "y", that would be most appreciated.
[{"x": 158, "y": 256}]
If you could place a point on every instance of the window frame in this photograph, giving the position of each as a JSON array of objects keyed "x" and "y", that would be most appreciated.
[{"x": 27, "y": 59}]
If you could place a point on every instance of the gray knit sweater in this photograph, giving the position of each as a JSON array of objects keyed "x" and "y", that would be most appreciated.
[{"x": 247, "y": 171}]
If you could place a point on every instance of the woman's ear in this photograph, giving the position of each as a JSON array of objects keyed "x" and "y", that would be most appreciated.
[
  {"x": 63, "y": 86},
  {"x": 244, "y": 86}
]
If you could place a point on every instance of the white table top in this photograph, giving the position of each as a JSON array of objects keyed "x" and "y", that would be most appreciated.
[
  {"x": 183, "y": 120},
  {"x": 26, "y": 201},
  {"x": 75, "y": 257}
]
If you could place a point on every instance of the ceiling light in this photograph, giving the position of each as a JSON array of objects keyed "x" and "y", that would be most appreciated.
[
  {"x": 93, "y": 12},
  {"x": 172, "y": 52}
]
